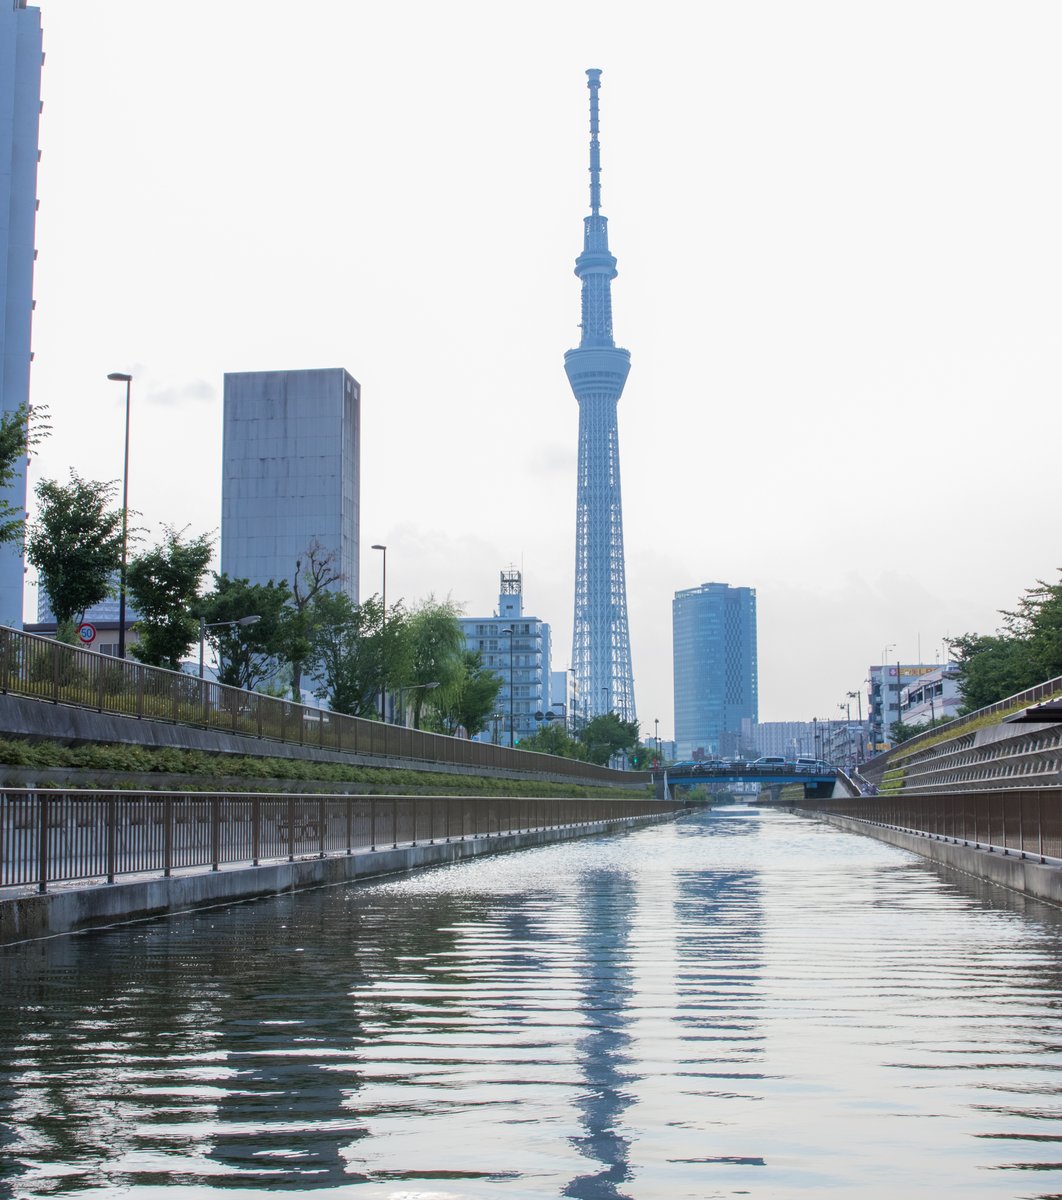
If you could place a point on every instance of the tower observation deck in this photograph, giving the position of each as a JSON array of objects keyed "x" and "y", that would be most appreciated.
[{"x": 597, "y": 371}]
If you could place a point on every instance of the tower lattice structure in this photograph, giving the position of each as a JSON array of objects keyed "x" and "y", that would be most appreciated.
[{"x": 597, "y": 371}]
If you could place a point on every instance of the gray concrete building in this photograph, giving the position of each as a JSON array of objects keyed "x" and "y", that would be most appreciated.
[
  {"x": 21, "y": 56},
  {"x": 290, "y": 472}
]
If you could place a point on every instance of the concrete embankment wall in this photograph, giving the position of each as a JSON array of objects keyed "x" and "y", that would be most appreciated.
[
  {"x": 1011, "y": 870},
  {"x": 73, "y": 908}
]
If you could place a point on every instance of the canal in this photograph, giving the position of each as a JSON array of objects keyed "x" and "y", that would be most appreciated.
[{"x": 741, "y": 1003}]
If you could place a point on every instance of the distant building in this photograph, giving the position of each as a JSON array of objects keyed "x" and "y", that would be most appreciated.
[
  {"x": 715, "y": 671},
  {"x": 520, "y": 659},
  {"x": 885, "y": 685},
  {"x": 290, "y": 473},
  {"x": 21, "y": 56},
  {"x": 932, "y": 696},
  {"x": 788, "y": 739},
  {"x": 103, "y": 617}
]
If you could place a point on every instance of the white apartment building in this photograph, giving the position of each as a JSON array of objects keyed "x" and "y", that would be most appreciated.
[{"x": 517, "y": 649}]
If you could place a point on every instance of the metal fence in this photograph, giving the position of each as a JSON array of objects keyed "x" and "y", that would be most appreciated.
[
  {"x": 57, "y": 836},
  {"x": 1022, "y": 821},
  {"x": 49, "y": 670}
]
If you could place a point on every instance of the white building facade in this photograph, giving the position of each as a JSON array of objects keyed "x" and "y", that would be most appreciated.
[
  {"x": 21, "y": 56},
  {"x": 520, "y": 658},
  {"x": 290, "y": 473}
]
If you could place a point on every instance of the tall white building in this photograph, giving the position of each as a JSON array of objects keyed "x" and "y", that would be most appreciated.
[
  {"x": 21, "y": 56},
  {"x": 290, "y": 473},
  {"x": 521, "y": 659}
]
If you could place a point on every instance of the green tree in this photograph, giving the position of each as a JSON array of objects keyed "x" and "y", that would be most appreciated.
[
  {"x": 164, "y": 584},
  {"x": 553, "y": 738},
  {"x": 316, "y": 569},
  {"x": 349, "y": 650},
  {"x": 19, "y": 433},
  {"x": 991, "y": 667},
  {"x": 76, "y": 546},
  {"x": 434, "y": 653},
  {"x": 469, "y": 702},
  {"x": 606, "y": 735},
  {"x": 248, "y": 655}
]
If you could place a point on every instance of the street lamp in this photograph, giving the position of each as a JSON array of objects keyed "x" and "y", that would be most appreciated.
[
  {"x": 203, "y": 627},
  {"x": 411, "y": 687},
  {"x": 118, "y": 377},
  {"x": 511, "y": 635},
  {"x": 885, "y": 690},
  {"x": 858, "y": 697},
  {"x": 383, "y": 605},
  {"x": 656, "y": 738}
]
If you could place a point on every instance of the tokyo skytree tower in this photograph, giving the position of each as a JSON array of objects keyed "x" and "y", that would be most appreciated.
[{"x": 597, "y": 371}]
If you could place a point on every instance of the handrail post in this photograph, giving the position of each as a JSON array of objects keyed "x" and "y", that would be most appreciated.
[
  {"x": 1040, "y": 822},
  {"x": 350, "y": 824},
  {"x": 372, "y": 822},
  {"x": 321, "y": 828},
  {"x": 42, "y": 843},
  {"x": 291, "y": 829},
  {"x": 167, "y": 836},
  {"x": 215, "y": 832},
  {"x": 256, "y": 829},
  {"x": 112, "y": 836},
  {"x": 394, "y": 822}
]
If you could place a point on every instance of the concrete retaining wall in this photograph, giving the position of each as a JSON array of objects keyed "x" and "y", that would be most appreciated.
[
  {"x": 69, "y": 909},
  {"x": 1026, "y": 875}
]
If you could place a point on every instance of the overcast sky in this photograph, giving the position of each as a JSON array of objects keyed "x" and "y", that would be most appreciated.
[{"x": 840, "y": 254}]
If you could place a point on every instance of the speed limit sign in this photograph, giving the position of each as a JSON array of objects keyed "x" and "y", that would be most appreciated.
[{"x": 86, "y": 634}]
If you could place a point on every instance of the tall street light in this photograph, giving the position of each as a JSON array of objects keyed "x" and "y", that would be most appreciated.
[
  {"x": 203, "y": 627},
  {"x": 118, "y": 377},
  {"x": 885, "y": 691},
  {"x": 858, "y": 697},
  {"x": 412, "y": 687},
  {"x": 383, "y": 605},
  {"x": 511, "y": 634}
]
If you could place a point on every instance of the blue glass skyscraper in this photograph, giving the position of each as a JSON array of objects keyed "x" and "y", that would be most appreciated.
[
  {"x": 597, "y": 371},
  {"x": 714, "y": 638}
]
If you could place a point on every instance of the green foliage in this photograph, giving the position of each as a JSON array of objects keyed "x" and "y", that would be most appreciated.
[
  {"x": 435, "y": 649},
  {"x": 469, "y": 702},
  {"x": 350, "y": 650},
  {"x": 19, "y": 433},
  {"x": 258, "y": 771},
  {"x": 553, "y": 738},
  {"x": 76, "y": 545},
  {"x": 900, "y": 733},
  {"x": 1025, "y": 652},
  {"x": 316, "y": 570},
  {"x": 164, "y": 584},
  {"x": 247, "y": 654},
  {"x": 606, "y": 735}
]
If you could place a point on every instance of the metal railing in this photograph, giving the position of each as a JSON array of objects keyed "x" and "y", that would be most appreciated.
[
  {"x": 1022, "y": 821},
  {"x": 62, "y": 836},
  {"x": 961, "y": 727},
  {"x": 53, "y": 671}
]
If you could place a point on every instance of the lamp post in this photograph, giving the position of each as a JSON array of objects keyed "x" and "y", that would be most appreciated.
[
  {"x": 656, "y": 738},
  {"x": 511, "y": 634},
  {"x": 412, "y": 687},
  {"x": 118, "y": 377},
  {"x": 858, "y": 696},
  {"x": 383, "y": 605},
  {"x": 604, "y": 702},
  {"x": 885, "y": 690},
  {"x": 203, "y": 627}
]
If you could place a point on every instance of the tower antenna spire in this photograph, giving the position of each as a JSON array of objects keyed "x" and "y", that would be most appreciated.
[{"x": 593, "y": 82}]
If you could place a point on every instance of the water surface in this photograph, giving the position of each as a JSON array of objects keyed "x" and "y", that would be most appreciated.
[{"x": 738, "y": 1004}]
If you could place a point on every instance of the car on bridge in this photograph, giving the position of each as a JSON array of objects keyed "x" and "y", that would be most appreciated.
[{"x": 769, "y": 762}]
